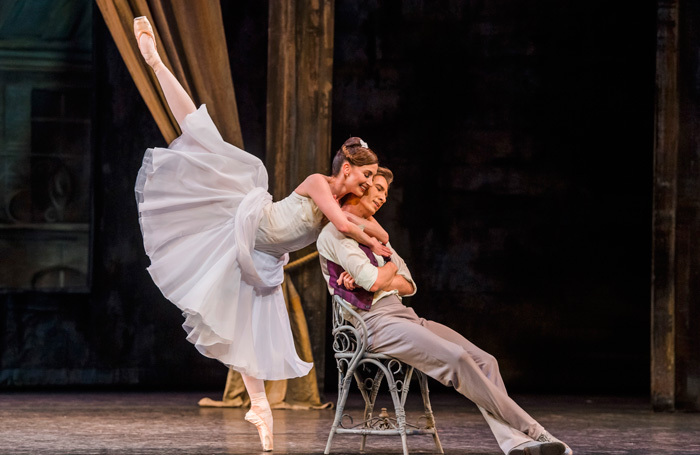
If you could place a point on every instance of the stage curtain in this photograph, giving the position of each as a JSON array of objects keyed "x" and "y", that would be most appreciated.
[{"x": 191, "y": 42}]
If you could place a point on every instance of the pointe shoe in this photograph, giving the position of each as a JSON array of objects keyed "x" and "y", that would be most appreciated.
[
  {"x": 264, "y": 431},
  {"x": 148, "y": 50}
]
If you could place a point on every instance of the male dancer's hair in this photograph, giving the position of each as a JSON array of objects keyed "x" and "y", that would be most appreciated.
[{"x": 386, "y": 173}]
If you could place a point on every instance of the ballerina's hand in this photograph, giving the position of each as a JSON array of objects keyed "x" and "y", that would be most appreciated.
[
  {"x": 379, "y": 249},
  {"x": 346, "y": 280}
]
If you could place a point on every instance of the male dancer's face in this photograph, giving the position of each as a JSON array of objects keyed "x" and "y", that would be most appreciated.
[{"x": 370, "y": 202}]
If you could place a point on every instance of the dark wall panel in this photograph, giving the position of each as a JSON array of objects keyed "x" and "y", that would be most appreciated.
[
  {"x": 687, "y": 311},
  {"x": 521, "y": 136}
]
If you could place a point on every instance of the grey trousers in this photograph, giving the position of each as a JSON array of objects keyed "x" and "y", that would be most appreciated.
[{"x": 448, "y": 357}]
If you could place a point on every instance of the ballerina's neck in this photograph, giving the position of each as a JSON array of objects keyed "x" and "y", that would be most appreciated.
[{"x": 337, "y": 185}]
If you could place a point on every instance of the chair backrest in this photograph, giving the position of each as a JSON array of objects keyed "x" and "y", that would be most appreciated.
[{"x": 349, "y": 332}]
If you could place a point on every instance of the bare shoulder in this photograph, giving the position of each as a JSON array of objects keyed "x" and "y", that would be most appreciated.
[
  {"x": 317, "y": 179},
  {"x": 310, "y": 183}
]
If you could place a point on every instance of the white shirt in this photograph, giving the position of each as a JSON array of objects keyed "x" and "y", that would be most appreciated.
[{"x": 334, "y": 246}]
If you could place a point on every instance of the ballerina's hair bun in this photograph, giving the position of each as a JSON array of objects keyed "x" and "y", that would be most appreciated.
[{"x": 356, "y": 152}]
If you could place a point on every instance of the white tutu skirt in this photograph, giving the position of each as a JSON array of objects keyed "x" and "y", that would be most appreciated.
[{"x": 200, "y": 202}]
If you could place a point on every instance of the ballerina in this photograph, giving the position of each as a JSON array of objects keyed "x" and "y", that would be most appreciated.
[{"x": 217, "y": 243}]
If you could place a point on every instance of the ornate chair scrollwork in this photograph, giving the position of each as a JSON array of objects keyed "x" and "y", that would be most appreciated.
[{"x": 369, "y": 370}]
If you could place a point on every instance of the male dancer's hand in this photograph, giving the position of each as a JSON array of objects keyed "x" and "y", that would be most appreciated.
[{"x": 346, "y": 280}]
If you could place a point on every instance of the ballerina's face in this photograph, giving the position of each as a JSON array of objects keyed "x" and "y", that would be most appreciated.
[{"x": 358, "y": 178}]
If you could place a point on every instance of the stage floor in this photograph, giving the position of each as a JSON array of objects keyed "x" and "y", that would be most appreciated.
[{"x": 172, "y": 423}]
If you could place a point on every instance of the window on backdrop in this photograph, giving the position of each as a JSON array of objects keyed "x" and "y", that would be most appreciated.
[{"x": 45, "y": 145}]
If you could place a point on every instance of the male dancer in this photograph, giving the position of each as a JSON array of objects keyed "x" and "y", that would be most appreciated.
[{"x": 433, "y": 348}]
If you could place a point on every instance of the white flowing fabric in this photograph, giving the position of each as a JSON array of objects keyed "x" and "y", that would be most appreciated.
[{"x": 201, "y": 202}]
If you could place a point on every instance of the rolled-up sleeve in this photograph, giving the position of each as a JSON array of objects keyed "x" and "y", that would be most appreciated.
[{"x": 402, "y": 269}]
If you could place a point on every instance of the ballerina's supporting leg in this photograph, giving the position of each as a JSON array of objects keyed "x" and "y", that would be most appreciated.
[
  {"x": 260, "y": 413},
  {"x": 177, "y": 98}
]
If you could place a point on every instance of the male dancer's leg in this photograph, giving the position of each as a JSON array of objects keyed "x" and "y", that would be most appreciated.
[
  {"x": 396, "y": 330},
  {"x": 507, "y": 436}
]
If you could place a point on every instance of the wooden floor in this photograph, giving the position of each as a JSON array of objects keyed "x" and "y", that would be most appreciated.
[{"x": 172, "y": 423}]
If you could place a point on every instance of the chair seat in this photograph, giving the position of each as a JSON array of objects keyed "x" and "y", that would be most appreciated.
[
  {"x": 367, "y": 355},
  {"x": 354, "y": 361}
]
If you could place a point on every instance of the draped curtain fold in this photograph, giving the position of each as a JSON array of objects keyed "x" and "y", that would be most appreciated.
[{"x": 191, "y": 42}]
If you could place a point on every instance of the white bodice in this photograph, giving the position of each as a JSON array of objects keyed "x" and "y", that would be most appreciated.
[{"x": 288, "y": 225}]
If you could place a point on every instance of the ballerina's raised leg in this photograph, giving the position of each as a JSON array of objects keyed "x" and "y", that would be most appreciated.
[
  {"x": 177, "y": 98},
  {"x": 181, "y": 105}
]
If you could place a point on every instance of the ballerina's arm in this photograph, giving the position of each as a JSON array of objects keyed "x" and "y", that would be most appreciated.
[
  {"x": 371, "y": 227},
  {"x": 316, "y": 187}
]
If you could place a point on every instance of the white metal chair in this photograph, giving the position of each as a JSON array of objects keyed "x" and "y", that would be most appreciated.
[{"x": 369, "y": 369}]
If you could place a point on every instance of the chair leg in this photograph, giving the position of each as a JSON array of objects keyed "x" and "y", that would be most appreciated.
[
  {"x": 368, "y": 405},
  {"x": 378, "y": 378},
  {"x": 370, "y": 401},
  {"x": 365, "y": 395},
  {"x": 425, "y": 393},
  {"x": 398, "y": 409},
  {"x": 401, "y": 421},
  {"x": 343, "y": 392},
  {"x": 404, "y": 443},
  {"x": 406, "y": 384}
]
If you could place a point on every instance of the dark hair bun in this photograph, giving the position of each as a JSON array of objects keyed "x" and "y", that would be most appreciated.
[{"x": 356, "y": 152}]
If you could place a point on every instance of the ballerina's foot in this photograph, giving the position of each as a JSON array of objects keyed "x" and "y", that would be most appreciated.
[
  {"x": 262, "y": 419},
  {"x": 146, "y": 41}
]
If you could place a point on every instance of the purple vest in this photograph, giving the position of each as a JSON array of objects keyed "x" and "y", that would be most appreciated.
[{"x": 358, "y": 297}]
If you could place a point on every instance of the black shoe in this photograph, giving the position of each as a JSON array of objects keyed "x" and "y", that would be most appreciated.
[{"x": 538, "y": 448}]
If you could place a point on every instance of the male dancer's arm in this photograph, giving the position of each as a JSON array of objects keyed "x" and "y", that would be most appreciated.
[
  {"x": 398, "y": 284},
  {"x": 385, "y": 275},
  {"x": 344, "y": 251},
  {"x": 402, "y": 282}
]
